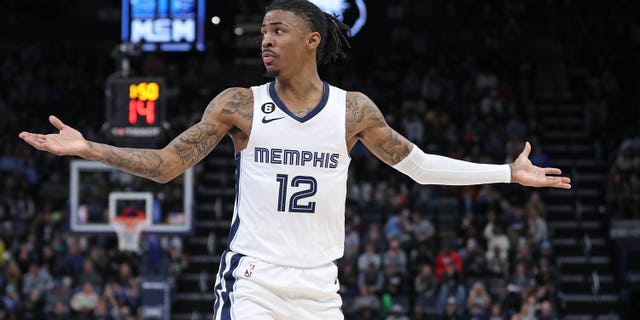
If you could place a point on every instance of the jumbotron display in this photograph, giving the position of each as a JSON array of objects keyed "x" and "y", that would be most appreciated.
[{"x": 165, "y": 25}]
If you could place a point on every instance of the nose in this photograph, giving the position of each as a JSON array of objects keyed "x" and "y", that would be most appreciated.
[{"x": 267, "y": 40}]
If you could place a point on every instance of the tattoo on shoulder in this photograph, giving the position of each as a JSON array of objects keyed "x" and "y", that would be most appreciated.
[
  {"x": 354, "y": 107},
  {"x": 240, "y": 102},
  {"x": 360, "y": 107},
  {"x": 224, "y": 95}
]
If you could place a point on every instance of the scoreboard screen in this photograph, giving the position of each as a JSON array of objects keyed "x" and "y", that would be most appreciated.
[
  {"x": 135, "y": 108},
  {"x": 165, "y": 25}
]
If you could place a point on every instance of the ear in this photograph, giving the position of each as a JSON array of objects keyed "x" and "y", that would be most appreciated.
[{"x": 313, "y": 41}]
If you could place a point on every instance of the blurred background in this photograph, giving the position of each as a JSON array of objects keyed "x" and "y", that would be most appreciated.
[{"x": 468, "y": 79}]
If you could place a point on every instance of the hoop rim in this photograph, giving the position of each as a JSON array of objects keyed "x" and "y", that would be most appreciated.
[{"x": 129, "y": 222}]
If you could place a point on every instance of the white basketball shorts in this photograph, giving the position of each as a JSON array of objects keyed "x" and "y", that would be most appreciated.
[{"x": 247, "y": 288}]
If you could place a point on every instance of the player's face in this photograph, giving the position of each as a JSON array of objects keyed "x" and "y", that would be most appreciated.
[{"x": 285, "y": 38}]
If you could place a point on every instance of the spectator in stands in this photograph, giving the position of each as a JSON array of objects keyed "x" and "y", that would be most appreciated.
[
  {"x": 59, "y": 294},
  {"x": 36, "y": 279},
  {"x": 545, "y": 281},
  {"x": 60, "y": 311},
  {"x": 518, "y": 222},
  {"x": 84, "y": 301},
  {"x": 395, "y": 226},
  {"x": 397, "y": 313},
  {"x": 351, "y": 244},
  {"x": 478, "y": 300},
  {"x": 101, "y": 311},
  {"x": 537, "y": 227},
  {"x": 498, "y": 245},
  {"x": 421, "y": 229},
  {"x": 24, "y": 257},
  {"x": 546, "y": 252},
  {"x": 395, "y": 255},
  {"x": 366, "y": 306},
  {"x": 422, "y": 254},
  {"x": 451, "y": 311},
  {"x": 98, "y": 259},
  {"x": 474, "y": 258},
  {"x": 447, "y": 257},
  {"x": 523, "y": 254},
  {"x": 12, "y": 300},
  {"x": 414, "y": 129},
  {"x": 520, "y": 278},
  {"x": 426, "y": 291},
  {"x": 348, "y": 282},
  {"x": 371, "y": 280},
  {"x": 496, "y": 312},
  {"x": 111, "y": 299},
  {"x": 89, "y": 274},
  {"x": 374, "y": 236},
  {"x": 394, "y": 281},
  {"x": 73, "y": 260},
  {"x": 33, "y": 305},
  {"x": 545, "y": 312},
  {"x": 369, "y": 257}
]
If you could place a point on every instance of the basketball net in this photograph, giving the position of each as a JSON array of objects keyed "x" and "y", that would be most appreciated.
[{"x": 128, "y": 230}]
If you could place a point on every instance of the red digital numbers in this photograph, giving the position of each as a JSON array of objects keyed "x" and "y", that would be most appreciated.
[
  {"x": 142, "y": 101},
  {"x": 146, "y": 109}
]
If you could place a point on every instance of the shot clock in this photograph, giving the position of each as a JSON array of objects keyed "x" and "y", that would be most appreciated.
[
  {"x": 135, "y": 111},
  {"x": 142, "y": 102}
]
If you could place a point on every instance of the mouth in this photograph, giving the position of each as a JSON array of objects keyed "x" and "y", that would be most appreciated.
[{"x": 268, "y": 56}]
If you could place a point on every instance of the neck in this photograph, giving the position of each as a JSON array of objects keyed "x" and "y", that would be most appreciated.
[{"x": 300, "y": 84}]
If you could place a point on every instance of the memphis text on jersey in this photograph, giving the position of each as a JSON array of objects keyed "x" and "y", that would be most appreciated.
[{"x": 296, "y": 157}]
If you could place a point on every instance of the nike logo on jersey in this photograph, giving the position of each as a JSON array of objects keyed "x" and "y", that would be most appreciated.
[{"x": 265, "y": 120}]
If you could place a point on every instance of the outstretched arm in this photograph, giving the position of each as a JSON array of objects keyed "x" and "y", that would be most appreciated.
[
  {"x": 160, "y": 165},
  {"x": 395, "y": 150}
]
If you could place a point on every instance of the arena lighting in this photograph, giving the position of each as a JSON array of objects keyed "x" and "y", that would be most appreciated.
[
  {"x": 340, "y": 7},
  {"x": 165, "y": 25}
]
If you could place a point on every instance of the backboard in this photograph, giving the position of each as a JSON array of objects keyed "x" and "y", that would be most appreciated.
[{"x": 98, "y": 193}]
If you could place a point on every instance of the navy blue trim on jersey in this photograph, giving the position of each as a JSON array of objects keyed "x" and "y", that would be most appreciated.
[
  {"x": 218, "y": 287},
  {"x": 230, "y": 281},
  {"x": 236, "y": 222},
  {"x": 283, "y": 107},
  {"x": 223, "y": 296}
]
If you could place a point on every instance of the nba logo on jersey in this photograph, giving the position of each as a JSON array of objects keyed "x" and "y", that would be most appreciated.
[{"x": 249, "y": 271}]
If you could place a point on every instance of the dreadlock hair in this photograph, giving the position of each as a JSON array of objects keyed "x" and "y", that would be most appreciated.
[{"x": 332, "y": 31}]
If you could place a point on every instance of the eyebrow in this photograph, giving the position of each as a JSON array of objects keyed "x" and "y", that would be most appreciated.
[{"x": 273, "y": 24}]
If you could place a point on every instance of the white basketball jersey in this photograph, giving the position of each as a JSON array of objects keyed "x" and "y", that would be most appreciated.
[{"x": 292, "y": 182}]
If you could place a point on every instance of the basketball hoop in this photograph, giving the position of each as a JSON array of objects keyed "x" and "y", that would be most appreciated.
[{"x": 128, "y": 229}]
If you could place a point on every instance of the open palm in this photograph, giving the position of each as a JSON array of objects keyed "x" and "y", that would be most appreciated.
[
  {"x": 527, "y": 174},
  {"x": 68, "y": 141}
]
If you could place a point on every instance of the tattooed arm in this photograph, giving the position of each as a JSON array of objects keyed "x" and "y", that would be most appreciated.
[
  {"x": 366, "y": 123},
  {"x": 160, "y": 165}
]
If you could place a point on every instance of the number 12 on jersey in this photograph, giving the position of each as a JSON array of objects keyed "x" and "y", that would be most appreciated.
[{"x": 310, "y": 186}]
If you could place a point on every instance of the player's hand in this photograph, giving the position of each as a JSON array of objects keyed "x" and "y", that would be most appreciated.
[
  {"x": 526, "y": 174},
  {"x": 68, "y": 141}
]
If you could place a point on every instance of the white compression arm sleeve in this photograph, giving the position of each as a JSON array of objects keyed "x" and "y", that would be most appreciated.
[{"x": 433, "y": 169}]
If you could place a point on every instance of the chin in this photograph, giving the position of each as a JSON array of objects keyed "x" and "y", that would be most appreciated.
[{"x": 271, "y": 73}]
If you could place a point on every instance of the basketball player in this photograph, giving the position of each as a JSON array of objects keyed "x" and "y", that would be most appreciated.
[{"x": 292, "y": 138}]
